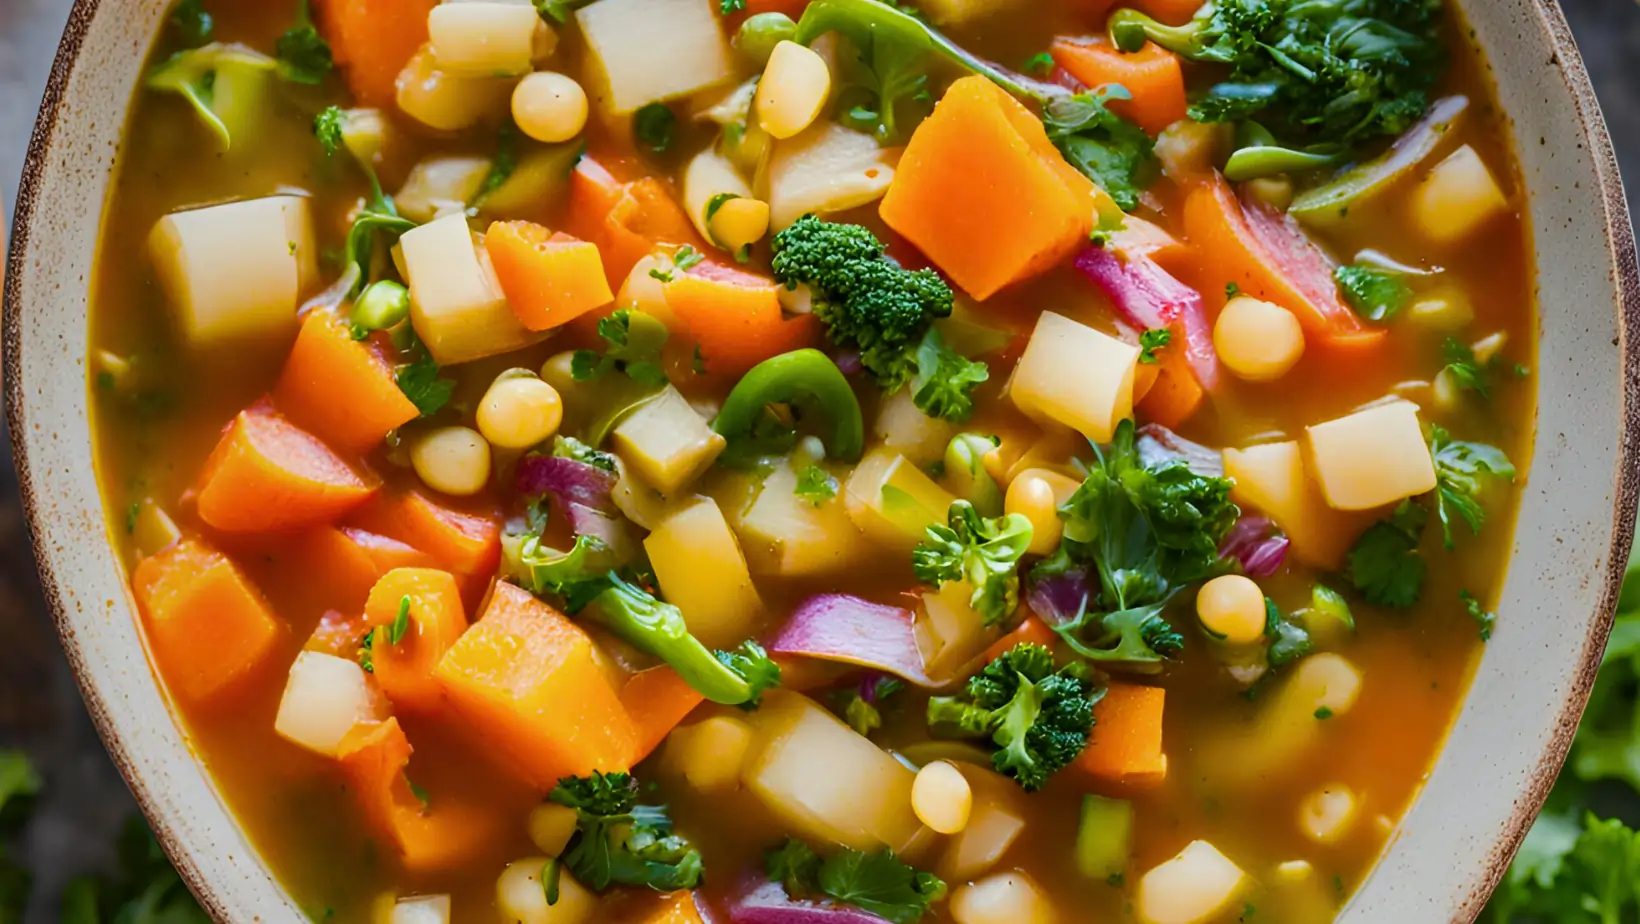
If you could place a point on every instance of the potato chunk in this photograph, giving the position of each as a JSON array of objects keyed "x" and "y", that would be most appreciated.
[
  {"x": 1076, "y": 376},
  {"x": 702, "y": 571},
  {"x": 892, "y": 501},
  {"x": 1372, "y": 458},
  {"x": 1272, "y": 480},
  {"x": 1191, "y": 888},
  {"x": 235, "y": 272},
  {"x": 483, "y": 39},
  {"x": 325, "y": 697},
  {"x": 645, "y": 51},
  {"x": 786, "y": 535},
  {"x": 667, "y": 442},
  {"x": 826, "y": 169},
  {"x": 1457, "y": 198},
  {"x": 456, "y": 304}
]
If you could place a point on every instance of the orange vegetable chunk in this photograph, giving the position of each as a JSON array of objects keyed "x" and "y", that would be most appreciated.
[
  {"x": 1176, "y": 394},
  {"x": 337, "y": 634},
  {"x": 341, "y": 390},
  {"x": 736, "y": 317},
  {"x": 436, "y": 621},
  {"x": 268, "y": 474},
  {"x": 466, "y": 540},
  {"x": 1126, "y": 744},
  {"x": 1030, "y": 631},
  {"x": 984, "y": 194},
  {"x": 549, "y": 279},
  {"x": 208, "y": 625},
  {"x": 526, "y": 680},
  {"x": 341, "y": 564},
  {"x": 657, "y": 699},
  {"x": 676, "y": 908},
  {"x": 372, "y": 41},
  {"x": 627, "y": 220},
  {"x": 1152, "y": 74}
]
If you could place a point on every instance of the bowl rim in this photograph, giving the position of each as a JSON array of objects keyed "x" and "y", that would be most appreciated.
[{"x": 1624, "y": 283}]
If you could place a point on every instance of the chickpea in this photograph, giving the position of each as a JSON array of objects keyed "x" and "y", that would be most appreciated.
[
  {"x": 1231, "y": 608},
  {"x": 519, "y": 411},
  {"x": 1259, "y": 341},
  {"x": 549, "y": 107},
  {"x": 452, "y": 460},
  {"x": 942, "y": 798}
]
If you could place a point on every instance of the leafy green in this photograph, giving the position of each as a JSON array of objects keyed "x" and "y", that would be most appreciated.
[
  {"x": 634, "y": 340},
  {"x": 1107, "y": 149},
  {"x": 304, "y": 55},
  {"x": 877, "y": 883},
  {"x": 420, "y": 381},
  {"x": 503, "y": 163},
  {"x": 1375, "y": 294},
  {"x": 728, "y": 7},
  {"x": 1459, "y": 468},
  {"x": 1040, "y": 64},
  {"x": 1571, "y": 873},
  {"x": 815, "y": 485},
  {"x": 378, "y": 221},
  {"x": 943, "y": 387},
  {"x": 654, "y": 126},
  {"x": 1468, "y": 371},
  {"x": 1152, "y": 340},
  {"x": 401, "y": 623},
  {"x": 193, "y": 74},
  {"x": 983, "y": 551},
  {"x": 1484, "y": 618},
  {"x": 862, "y": 704},
  {"x": 619, "y": 842},
  {"x": 191, "y": 22},
  {"x": 1288, "y": 642},
  {"x": 568, "y": 447},
  {"x": 1385, "y": 564}
]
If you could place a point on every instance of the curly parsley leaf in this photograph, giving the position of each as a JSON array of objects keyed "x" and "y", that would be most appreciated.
[
  {"x": 304, "y": 55},
  {"x": 1375, "y": 294},
  {"x": 634, "y": 342},
  {"x": 815, "y": 485},
  {"x": 1152, "y": 340},
  {"x": 1483, "y": 618},
  {"x": 878, "y": 883},
  {"x": 1459, "y": 469},
  {"x": 1385, "y": 564},
  {"x": 422, "y": 383},
  {"x": 654, "y": 127},
  {"x": 943, "y": 387}
]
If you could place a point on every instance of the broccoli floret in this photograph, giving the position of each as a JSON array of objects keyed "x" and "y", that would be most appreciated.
[
  {"x": 1038, "y": 718},
  {"x": 983, "y": 551},
  {"x": 619, "y": 842},
  {"x": 1138, "y": 639},
  {"x": 865, "y": 299},
  {"x": 943, "y": 387}
]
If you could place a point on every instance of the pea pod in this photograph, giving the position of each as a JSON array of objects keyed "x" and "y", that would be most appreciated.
[{"x": 807, "y": 380}]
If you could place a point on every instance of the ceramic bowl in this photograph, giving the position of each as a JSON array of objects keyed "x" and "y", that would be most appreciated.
[{"x": 1575, "y": 524}]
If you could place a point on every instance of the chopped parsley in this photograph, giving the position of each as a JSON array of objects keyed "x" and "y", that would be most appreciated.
[
  {"x": 1385, "y": 564},
  {"x": 1152, "y": 340},
  {"x": 1459, "y": 469},
  {"x": 877, "y": 883},
  {"x": 815, "y": 485},
  {"x": 1375, "y": 294}
]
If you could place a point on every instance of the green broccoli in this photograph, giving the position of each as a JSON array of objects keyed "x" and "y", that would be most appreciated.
[
  {"x": 943, "y": 387},
  {"x": 1038, "y": 718},
  {"x": 866, "y": 300},
  {"x": 619, "y": 842},
  {"x": 1139, "y": 639},
  {"x": 984, "y": 552}
]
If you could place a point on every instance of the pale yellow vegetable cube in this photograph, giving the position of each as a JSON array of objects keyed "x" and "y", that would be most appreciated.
[
  {"x": 521, "y": 898},
  {"x": 324, "y": 699},
  {"x": 904, "y": 428},
  {"x": 787, "y": 535},
  {"x": 994, "y": 823},
  {"x": 709, "y": 176},
  {"x": 153, "y": 529},
  {"x": 448, "y": 102},
  {"x": 1445, "y": 310},
  {"x": 709, "y": 754},
  {"x": 438, "y": 186},
  {"x": 235, "y": 272},
  {"x": 948, "y": 631},
  {"x": 1371, "y": 458},
  {"x": 456, "y": 304},
  {"x": 421, "y": 909},
  {"x": 826, "y": 169},
  {"x": 645, "y": 51},
  {"x": 1006, "y": 898},
  {"x": 1192, "y": 888},
  {"x": 551, "y": 826},
  {"x": 483, "y": 39},
  {"x": 703, "y": 573},
  {"x": 824, "y": 781},
  {"x": 1075, "y": 376},
  {"x": 892, "y": 501},
  {"x": 1457, "y": 198},
  {"x": 1272, "y": 480},
  {"x": 667, "y": 442}
]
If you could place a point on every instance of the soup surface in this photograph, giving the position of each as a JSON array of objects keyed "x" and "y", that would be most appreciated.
[{"x": 1069, "y": 488}]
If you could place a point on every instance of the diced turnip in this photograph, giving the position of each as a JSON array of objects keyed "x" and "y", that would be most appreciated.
[
  {"x": 1075, "y": 376},
  {"x": 1272, "y": 480},
  {"x": 439, "y": 186},
  {"x": 667, "y": 442},
  {"x": 904, "y": 428},
  {"x": 325, "y": 698},
  {"x": 645, "y": 51},
  {"x": 1192, "y": 888},
  {"x": 1006, "y": 898},
  {"x": 892, "y": 501},
  {"x": 787, "y": 535},
  {"x": 826, "y": 169},
  {"x": 1457, "y": 198},
  {"x": 483, "y": 39},
  {"x": 701, "y": 571},
  {"x": 995, "y": 822},
  {"x": 521, "y": 898},
  {"x": 1371, "y": 458},
  {"x": 709, "y": 754},
  {"x": 235, "y": 272},
  {"x": 447, "y": 102},
  {"x": 636, "y": 499},
  {"x": 456, "y": 304},
  {"x": 825, "y": 781},
  {"x": 421, "y": 909}
]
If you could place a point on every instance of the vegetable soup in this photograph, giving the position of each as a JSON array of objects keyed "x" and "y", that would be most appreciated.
[{"x": 829, "y": 462}]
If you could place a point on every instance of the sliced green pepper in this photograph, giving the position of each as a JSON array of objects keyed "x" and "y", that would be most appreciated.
[{"x": 812, "y": 384}]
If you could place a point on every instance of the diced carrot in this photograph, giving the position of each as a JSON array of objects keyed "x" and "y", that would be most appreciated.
[
  {"x": 268, "y": 474},
  {"x": 436, "y": 620},
  {"x": 549, "y": 279},
  {"x": 436, "y": 835},
  {"x": 675, "y": 908},
  {"x": 627, "y": 220},
  {"x": 1126, "y": 744},
  {"x": 1268, "y": 258},
  {"x": 1152, "y": 74},
  {"x": 525, "y": 680},
  {"x": 984, "y": 193},
  {"x": 337, "y": 634},
  {"x": 1175, "y": 393},
  {"x": 1171, "y": 12},
  {"x": 735, "y": 317},
  {"x": 466, "y": 540},
  {"x": 1031, "y": 631},
  {"x": 657, "y": 699},
  {"x": 208, "y": 625},
  {"x": 372, "y": 40},
  {"x": 340, "y": 565},
  {"x": 339, "y": 389}
]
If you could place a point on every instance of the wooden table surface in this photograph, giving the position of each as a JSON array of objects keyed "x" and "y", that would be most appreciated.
[{"x": 39, "y": 707}]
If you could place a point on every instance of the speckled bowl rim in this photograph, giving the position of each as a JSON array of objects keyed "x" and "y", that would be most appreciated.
[{"x": 1625, "y": 287}]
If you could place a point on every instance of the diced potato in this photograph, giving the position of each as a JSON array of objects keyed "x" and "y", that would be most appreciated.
[
  {"x": 826, "y": 169},
  {"x": 995, "y": 822},
  {"x": 1457, "y": 198},
  {"x": 324, "y": 699},
  {"x": 948, "y": 631},
  {"x": 421, "y": 909},
  {"x": 1271, "y": 479},
  {"x": 645, "y": 51},
  {"x": 1192, "y": 888},
  {"x": 1294, "y": 871},
  {"x": 786, "y": 535},
  {"x": 710, "y": 754},
  {"x": 636, "y": 499},
  {"x": 702, "y": 571},
  {"x": 904, "y": 428},
  {"x": 1073, "y": 375},
  {"x": 540, "y": 182},
  {"x": 521, "y": 899},
  {"x": 439, "y": 186},
  {"x": 825, "y": 781},
  {"x": 707, "y": 177},
  {"x": 667, "y": 442},
  {"x": 483, "y": 39},
  {"x": 892, "y": 501},
  {"x": 551, "y": 826},
  {"x": 1287, "y": 725},
  {"x": 1327, "y": 814},
  {"x": 1006, "y": 898},
  {"x": 1488, "y": 347},
  {"x": 446, "y": 102},
  {"x": 235, "y": 272},
  {"x": 456, "y": 304},
  {"x": 1371, "y": 458}
]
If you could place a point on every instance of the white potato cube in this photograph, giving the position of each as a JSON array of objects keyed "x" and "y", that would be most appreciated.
[
  {"x": 1006, "y": 898},
  {"x": 1076, "y": 376},
  {"x": 1371, "y": 458},
  {"x": 668, "y": 442},
  {"x": 904, "y": 428},
  {"x": 892, "y": 501},
  {"x": 707, "y": 177},
  {"x": 1191, "y": 888},
  {"x": 1272, "y": 480},
  {"x": 709, "y": 754},
  {"x": 1457, "y": 198},
  {"x": 479, "y": 39},
  {"x": 826, "y": 169},
  {"x": 447, "y": 102},
  {"x": 702, "y": 572},
  {"x": 994, "y": 824},
  {"x": 1327, "y": 814},
  {"x": 325, "y": 698},
  {"x": 439, "y": 186},
  {"x": 825, "y": 781},
  {"x": 421, "y": 909},
  {"x": 456, "y": 304},
  {"x": 521, "y": 899},
  {"x": 646, "y": 51},
  {"x": 236, "y": 271},
  {"x": 784, "y": 534}
]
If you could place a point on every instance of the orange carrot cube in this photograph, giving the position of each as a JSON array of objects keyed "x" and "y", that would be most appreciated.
[
  {"x": 657, "y": 699},
  {"x": 435, "y": 622},
  {"x": 549, "y": 279},
  {"x": 1126, "y": 744},
  {"x": 342, "y": 390},
  {"x": 207, "y": 624},
  {"x": 268, "y": 474}
]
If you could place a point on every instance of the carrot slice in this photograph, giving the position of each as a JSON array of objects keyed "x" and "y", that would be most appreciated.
[
  {"x": 436, "y": 620},
  {"x": 549, "y": 279},
  {"x": 1126, "y": 744},
  {"x": 339, "y": 565},
  {"x": 208, "y": 625},
  {"x": 1175, "y": 393},
  {"x": 735, "y": 317},
  {"x": 438, "y": 834},
  {"x": 983, "y": 192},
  {"x": 1152, "y": 74},
  {"x": 268, "y": 474},
  {"x": 526, "y": 680},
  {"x": 337, "y": 634},
  {"x": 341, "y": 390},
  {"x": 466, "y": 539},
  {"x": 657, "y": 699},
  {"x": 372, "y": 41},
  {"x": 627, "y": 220},
  {"x": 1031, "y": 631}
]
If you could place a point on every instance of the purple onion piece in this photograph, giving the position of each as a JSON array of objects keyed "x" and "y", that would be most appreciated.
[
  {"x": 568, "y": 481},
  {"x": 1158, "y": 445},
  {"x": 1257, "y": 544},
  {"x": 763, "y": 902},
  {"x": 838, "y": 627},
  {"x": 1061, "y": 597},
  {"x": 1146, "y": 296}
]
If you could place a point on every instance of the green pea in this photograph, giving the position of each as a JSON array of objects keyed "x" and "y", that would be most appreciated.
[
  {"x": 759, "y": 34},
  {"x": 385, "y": 304}
]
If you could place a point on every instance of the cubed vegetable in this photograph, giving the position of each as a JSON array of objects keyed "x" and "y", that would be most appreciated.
[
  {"x": 208, "y": 625},
  {"x": 1006, "y": 898},
  {"x": 948, "y": 630},
  {"x": 701, "y": 570},
  {"x": 710, "y": 753},
  {"x": 904, "y": 428},
  {"x": 235, "y": 272},
  {"x": 1075, "y": 376},
  {"x": 1104, "y": 838},
  {"x": 1272, "y": 480},
  {"x": 521, "y": 898},
  {"x": 549, "y": 279},
  {"x": 645, "y": 51},
  {"x": 325, "y": 698},
  {"x": 892, "y": 501},
  {"x": 1125, "y": 745},
  {"x": 1326, "y": 815},
  {"x": 667, "y": 441},
  {"x": 447, "y": 102},
  {"x": 789, "y": 535},
  {"x": 551, "y": 826},
  {"x": 421, "y": 909},
  {"x": 456, "y": 302},
  {"x": 826, "y": 169},
  {"x": 483, "y": 39},
  {"x": 267, "y": 474},
  {"x": 1291, "y": 723},
  {"x": 1458, "y": 198},
  {"x": 439, "y": 186},
  {"x": 1371, "y": 458},
  {"x": 994, "y": 824},
  {"x": 1192, "y": 888},
  {"x": 325, "y": 362}
]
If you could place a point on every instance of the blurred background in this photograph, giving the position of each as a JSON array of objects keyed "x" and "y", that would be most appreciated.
[{"x": 85, "y": 802}]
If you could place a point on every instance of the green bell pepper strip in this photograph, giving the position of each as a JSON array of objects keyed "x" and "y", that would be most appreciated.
[{"x": 807, "y": 379}]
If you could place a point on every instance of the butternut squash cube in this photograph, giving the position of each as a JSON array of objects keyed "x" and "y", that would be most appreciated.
[
  {"x": 1191, "y": 888},
  {"x": 892, "y": 501},
  {"x": 786, "y": 535},
  {"x": 645, "y": 51},
  {"x": 1272, "y": 480},
  {"x": 1372, "y": 458},
  {"x": 703, "y": 573},
  {"x": 1457, "y": 198},
  {"x": 1075, "y": 376},
  {"x": 668, "y": 442},
  {"x": 456, "y": 304}
]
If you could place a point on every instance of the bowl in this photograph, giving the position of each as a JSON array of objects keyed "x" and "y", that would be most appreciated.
[{"x": 1576, "y": 518}]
